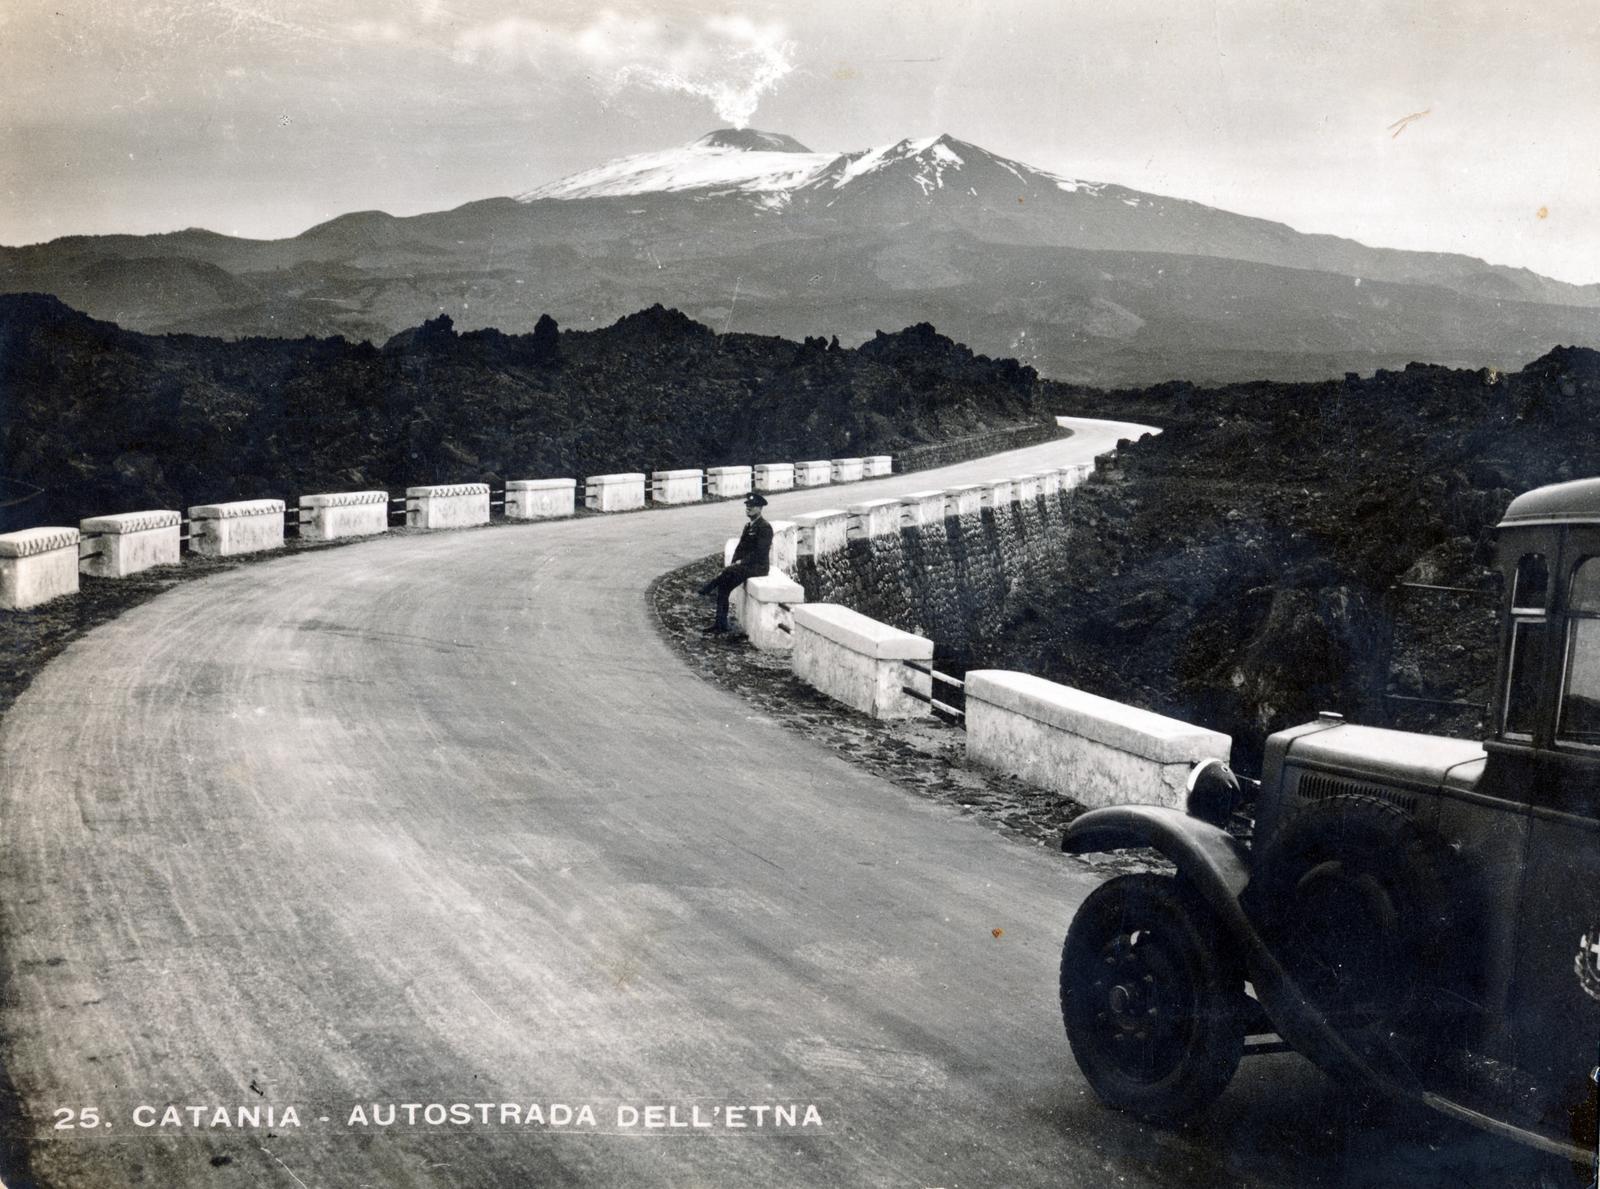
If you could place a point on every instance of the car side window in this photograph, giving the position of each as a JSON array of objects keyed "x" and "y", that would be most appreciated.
[
  {"x": 1579, "y": 721},
  {"x": 1530, "y": 594}
]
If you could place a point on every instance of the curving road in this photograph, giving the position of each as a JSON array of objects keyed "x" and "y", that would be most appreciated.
[{"x": 438, "y": 819}]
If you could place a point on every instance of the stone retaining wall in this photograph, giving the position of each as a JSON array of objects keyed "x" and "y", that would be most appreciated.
[
  {"x": 946, "y": 564},
  {"x": 995, "y": 441}
]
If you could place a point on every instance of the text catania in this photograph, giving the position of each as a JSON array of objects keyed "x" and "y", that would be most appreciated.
[{"x": 145, "y": 1115}]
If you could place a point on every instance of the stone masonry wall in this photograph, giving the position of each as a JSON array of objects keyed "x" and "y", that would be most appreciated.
[
  {"x": 993, "y": 441},
  {"x": 953, "y": 582}
]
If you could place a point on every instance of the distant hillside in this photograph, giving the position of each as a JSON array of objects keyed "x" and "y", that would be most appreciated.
[
  {"x": 103, "y": 419},
  {"x": 1240, "y": 569},
  {"x": 1088, "y": 282}
]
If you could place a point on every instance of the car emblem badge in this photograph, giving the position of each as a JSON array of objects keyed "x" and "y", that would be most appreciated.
[{"x": 1587, "y": 964}]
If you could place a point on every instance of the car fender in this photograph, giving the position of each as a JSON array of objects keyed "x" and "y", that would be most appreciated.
[
  {"x": 1214, "y": 861},
  {"x": 1217, "y": 866}
]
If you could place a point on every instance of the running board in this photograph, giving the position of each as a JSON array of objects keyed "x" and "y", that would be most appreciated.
[{"x": 1511, "y": 1131}]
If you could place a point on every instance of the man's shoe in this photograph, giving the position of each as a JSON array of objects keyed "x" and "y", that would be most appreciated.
[{"x": 715, "y": 629}]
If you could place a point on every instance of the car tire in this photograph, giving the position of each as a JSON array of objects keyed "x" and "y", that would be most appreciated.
[
  {"x": 1351, "y": 896},
  {"x": 1152, "y": 998}
]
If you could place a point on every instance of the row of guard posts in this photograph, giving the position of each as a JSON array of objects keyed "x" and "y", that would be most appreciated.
[
  {"x": 40, "y": 564},
  {"x": 629, "y": 490},
  {"x": 1095, "y": 750}
]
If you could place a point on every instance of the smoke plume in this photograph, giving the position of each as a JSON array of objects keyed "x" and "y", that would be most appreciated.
[{"x": 730, "y": 61}]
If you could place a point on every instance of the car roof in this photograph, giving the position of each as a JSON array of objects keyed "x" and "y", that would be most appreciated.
[{"x": 1560, "y": 503}]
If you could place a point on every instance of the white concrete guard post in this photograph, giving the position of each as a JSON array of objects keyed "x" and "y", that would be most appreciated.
[
  {"x": 873, "y": 518},
  {"x": 996, "y": 493},
  {"x": 858, "y": 661},
  {"x": 724, "y": 483},
  {"x": 920, "y": 509},
  {"x": 847, "y": 470},
  {"x": 876, "y": 466},
  {"x": 1025, "y": 488},
  {"x": 447, "y": 505},
  {"x": 813, "y": 474},
  {"x": 1092, "y": 749},
  {"x": 614, "y": 493},
  {"x": 1049, "y": 483},
  {"x": 116, "y": 546},
  {"x": 785, "y": 546},
  {"x": 676, "y": 487},
  {"x": 820, "y": 533},
  {"x": 764, "y": 608},
  {"x": 963, "y": 501},
  {"x": 336, "y": 514},
  {"x": 540, "y": 499},
  {"x": 243, "y": 526},
  {"x": 37, "y": 565},
  {"x": 774, "y": 476}
]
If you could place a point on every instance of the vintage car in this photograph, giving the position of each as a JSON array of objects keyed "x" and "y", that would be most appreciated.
[{"x": 1415, "y": 914}]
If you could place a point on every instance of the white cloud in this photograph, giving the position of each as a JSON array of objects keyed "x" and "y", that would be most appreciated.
[
  {"x": 730, "y": 61},
  {"x": 508, "y": 40},
  {"x": 390, "y": 31}
]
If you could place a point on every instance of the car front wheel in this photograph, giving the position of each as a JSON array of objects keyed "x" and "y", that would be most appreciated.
[{"x": 1152, "y": 999}]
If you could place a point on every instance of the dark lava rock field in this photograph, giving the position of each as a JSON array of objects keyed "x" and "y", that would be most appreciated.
[
  {"x": 1243, "y": 569},
  {"x": 97, "y": 419}
]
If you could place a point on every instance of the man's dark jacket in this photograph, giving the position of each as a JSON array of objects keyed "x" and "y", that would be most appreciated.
[{"x": 753, "y": 553}]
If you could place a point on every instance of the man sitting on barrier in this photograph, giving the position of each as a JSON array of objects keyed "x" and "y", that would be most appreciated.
[{"x": 750, "y": 560}]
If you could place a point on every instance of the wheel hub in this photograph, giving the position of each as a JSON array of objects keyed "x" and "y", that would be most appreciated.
[{"x": 1128, "y": 990}]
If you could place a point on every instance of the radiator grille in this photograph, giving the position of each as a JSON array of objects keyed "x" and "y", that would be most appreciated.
[{"x": 1318, "y": 786}]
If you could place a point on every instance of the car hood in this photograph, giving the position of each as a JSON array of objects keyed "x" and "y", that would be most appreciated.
[{"x": 1400, "y": 757}]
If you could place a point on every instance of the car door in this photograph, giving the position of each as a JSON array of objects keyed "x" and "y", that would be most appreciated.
[{"x": 1555, "y": 1003}]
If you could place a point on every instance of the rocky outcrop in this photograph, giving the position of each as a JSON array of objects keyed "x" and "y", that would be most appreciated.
[{"x": 102, "y": 419}]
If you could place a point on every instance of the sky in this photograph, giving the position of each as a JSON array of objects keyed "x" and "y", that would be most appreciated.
[{"x": 1451, "y": 125}]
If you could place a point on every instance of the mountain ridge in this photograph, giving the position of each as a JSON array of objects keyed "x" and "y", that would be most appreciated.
[{"x": 1090, "y": 282}]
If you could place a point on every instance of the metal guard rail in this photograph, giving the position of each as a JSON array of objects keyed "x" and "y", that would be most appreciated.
[{"x": 941, "y": 710}]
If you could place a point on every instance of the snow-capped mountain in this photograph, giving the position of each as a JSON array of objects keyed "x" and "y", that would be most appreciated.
[
  {"x": 752, "y": 230},
  {"x": 933, "y": 164},
  {"x": 769, "y": 163},
  {"x": 730, "y": 159}
]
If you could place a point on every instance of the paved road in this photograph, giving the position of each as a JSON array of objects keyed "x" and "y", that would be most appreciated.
[{"x": 438, "y": 819}]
